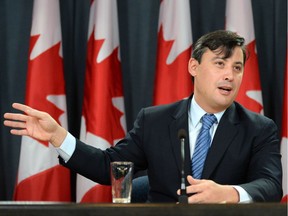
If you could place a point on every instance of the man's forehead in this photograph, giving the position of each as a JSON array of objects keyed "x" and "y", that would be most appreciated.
[{"x": 221, "y": 54}]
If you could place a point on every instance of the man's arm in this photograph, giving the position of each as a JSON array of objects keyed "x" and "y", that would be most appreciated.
[{"x": 264, "y": 176}]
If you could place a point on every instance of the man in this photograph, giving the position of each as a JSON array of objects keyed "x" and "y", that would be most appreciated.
[{"x": 243, "y": 163}]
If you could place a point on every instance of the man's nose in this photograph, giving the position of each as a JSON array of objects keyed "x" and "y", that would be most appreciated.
[{"x": 228, "y": 74}]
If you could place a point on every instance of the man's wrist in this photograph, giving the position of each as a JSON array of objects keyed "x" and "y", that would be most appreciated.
[
  {"x": 232, "y": 195},
  {"x": 59, "y": 137},
  {"x": 67, "y": 148},
  {"x": 244, "y": 196}
]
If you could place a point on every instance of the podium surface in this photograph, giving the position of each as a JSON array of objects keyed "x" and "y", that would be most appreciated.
[{"x": 72, "y": 209}]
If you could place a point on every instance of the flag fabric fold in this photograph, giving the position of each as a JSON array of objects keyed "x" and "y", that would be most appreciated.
[
  {"x": 173, "y": 81},
  {"x": 239, "y": 18},
  {"x": 103, "y": 120},
  {"x": 284, "y": 141},
  {"x": 40, "y": 177}
]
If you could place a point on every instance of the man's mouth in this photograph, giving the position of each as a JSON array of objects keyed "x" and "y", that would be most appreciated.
[{"x": 225, "y": 89}]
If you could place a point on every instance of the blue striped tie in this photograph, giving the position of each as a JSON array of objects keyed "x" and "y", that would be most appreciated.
[{"x": 202, "y": 145}]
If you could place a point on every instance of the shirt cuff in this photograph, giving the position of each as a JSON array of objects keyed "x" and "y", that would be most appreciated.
[
  {"x": 67, "y": 148},
  {"x": 244, "y": 197}
]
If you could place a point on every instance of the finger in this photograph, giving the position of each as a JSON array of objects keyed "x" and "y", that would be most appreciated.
[
  {"x": 14, "y": 124},
  {"x": 195, "y": 185},
  {"x": 15, "y": 116},
  {"x": 192, "y": 180},
  {"x": 19, "y": 132},
  {"x": 21, "y": 107},
  {"x": 196, "y": 198},
  {"x": 178, "y": 192},
  {"x": 192, "y": 189},
  {"x": 28, "y": 110}
]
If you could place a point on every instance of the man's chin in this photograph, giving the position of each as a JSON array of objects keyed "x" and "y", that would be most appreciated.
[{"x": 223, "y": 104}]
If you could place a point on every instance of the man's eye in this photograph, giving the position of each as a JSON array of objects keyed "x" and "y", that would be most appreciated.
[
  {"x": 238, "y": 68},
  {"x": 220, "y": 63}
]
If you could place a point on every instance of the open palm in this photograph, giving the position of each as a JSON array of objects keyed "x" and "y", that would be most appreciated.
[{"x": 36, "y": 124}]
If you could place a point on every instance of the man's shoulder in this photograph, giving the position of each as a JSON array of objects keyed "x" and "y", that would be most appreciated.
[
  {"x": 247, "y": 114},
  {"x": 171, "y": 107}
]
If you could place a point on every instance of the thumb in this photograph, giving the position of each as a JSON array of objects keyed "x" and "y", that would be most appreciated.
[{"x": 192, "y": 180}]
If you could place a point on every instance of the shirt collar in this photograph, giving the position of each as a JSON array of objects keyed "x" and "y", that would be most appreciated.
[{"x": 196, "y": 113}]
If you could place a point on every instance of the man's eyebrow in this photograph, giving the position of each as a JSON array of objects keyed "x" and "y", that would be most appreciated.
[
  {"x": 218, "y": 57},
  {"x": 222, "y": 58},
  {"x": 239, "y": 62}
]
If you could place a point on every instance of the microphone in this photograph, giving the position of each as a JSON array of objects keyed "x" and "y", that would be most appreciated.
[{"x": 183, "y": 198}]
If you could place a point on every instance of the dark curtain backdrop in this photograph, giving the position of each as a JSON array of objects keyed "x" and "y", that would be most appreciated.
[{"x": 138, "y": 21}]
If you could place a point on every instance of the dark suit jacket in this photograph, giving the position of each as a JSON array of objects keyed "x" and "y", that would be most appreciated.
[{"x": 244, "y": 151}]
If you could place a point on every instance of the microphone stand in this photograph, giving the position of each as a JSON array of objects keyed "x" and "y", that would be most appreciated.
[{"x": 183, "y": 198}]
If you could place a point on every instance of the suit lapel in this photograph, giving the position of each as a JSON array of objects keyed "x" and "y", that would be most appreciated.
[
  {"x": 180, "y": 121},
  {"x": 225, "y": 134}
]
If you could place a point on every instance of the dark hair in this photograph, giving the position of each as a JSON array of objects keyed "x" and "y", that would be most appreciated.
[{"x": 220, "y": 41}]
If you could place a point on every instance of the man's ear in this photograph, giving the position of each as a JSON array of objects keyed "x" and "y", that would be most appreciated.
[{"x": 192, "y": 66}]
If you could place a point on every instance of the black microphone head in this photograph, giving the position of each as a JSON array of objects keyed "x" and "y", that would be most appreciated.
[{"x": 182, "y": 134}]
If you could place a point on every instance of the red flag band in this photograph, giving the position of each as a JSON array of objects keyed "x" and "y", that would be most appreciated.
[
  {"x": 103, "y": 120},
  {"x": 173, "y": 81},
  {"x": 284, "y": 142}
]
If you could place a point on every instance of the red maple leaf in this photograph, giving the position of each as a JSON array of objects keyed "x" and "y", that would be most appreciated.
[
  {"x": 103, "y": 82},
  {"x": 45, "y": 77}
]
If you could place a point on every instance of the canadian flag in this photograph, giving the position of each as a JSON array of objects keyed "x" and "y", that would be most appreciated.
[
  {"x": 284, "y": 143},
  {"x": 103, "y": 121},
  {"x": 172, "y": 81},
  {"x": 40, "y": 177},
  {"x": 239, "y": 18}
]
